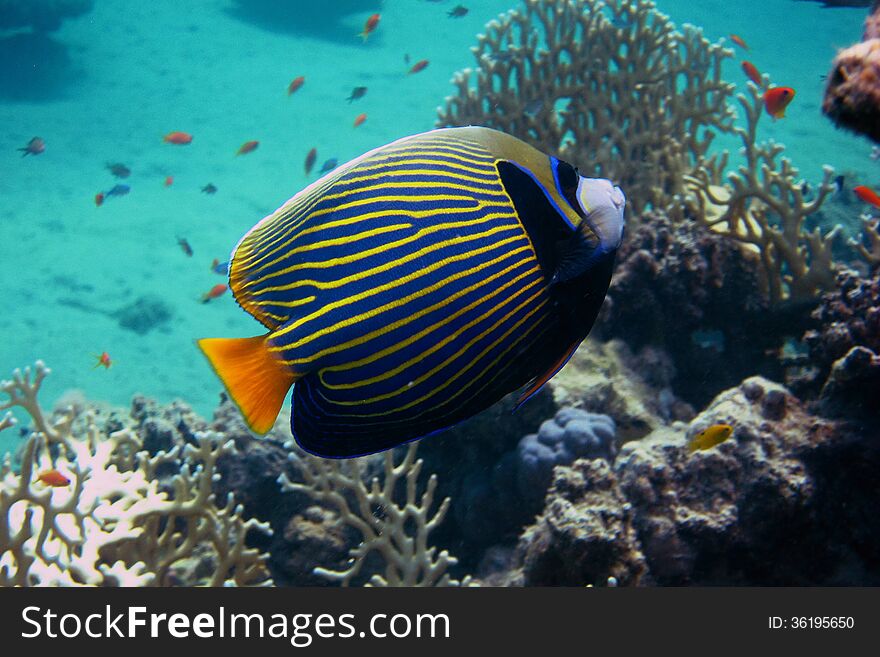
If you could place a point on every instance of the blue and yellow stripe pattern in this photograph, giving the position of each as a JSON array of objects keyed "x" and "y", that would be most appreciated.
[{"x": 403, "y": 293}]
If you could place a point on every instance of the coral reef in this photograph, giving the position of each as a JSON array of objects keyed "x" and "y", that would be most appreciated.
[
  {"x": 41, "y": 15},
  {"x": 852, "y": 93},
  {"x": 611, "y": 86},
  {"x": 396, "y": 530},
  {"x": 763, "y": 206},
  {"x": 768, "y": 506},
  {"x": 691, "y": 292},
  {"x": 843, "y": 368},
  {"x": 570, "y": 435},
  {"x": 115, "y": 522}
]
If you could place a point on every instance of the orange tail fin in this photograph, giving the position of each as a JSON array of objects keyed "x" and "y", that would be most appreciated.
[{"x": 255, "y": 378}]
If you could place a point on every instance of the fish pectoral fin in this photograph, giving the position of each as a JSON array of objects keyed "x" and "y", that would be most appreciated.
[
  {"x": 255, "y": 378},
  {"x": 575, "y": 256},
  {"x": 538, "y": 382}
]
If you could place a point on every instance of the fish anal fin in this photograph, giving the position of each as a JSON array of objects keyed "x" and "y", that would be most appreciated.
[
  {"x": 254, "y": 376},
  {"x": 539, "y": 381}
]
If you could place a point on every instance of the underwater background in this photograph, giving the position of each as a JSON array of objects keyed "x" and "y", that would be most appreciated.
[{"x": 103, "y": 86}]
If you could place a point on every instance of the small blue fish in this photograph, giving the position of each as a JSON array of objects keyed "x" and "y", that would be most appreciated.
[
  {"x": 220, "y": 267},
  {"x": 118, "y": 190},
  {"x": 329, "y": 165}
]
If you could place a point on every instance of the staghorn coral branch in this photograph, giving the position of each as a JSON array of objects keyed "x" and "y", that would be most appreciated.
[
  {"x": 871, "y": 232},
  {"x": 396, "y": 530}
]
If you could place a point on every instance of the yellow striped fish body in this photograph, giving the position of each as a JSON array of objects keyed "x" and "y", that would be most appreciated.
[{"x": 415, "y": 286}]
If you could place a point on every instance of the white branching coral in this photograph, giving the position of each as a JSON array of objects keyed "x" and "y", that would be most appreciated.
[
  {"x": 112, "y": 524},
  {"x": 396, "y": 531},
  {"x": 763, "y": 203},
  {"x": 610, "y": 86}
]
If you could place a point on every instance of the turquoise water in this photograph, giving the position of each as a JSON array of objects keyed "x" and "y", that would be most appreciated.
[{"x": 136, "y": 71}]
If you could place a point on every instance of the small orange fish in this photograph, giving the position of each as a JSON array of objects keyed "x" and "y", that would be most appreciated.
[
  {"x": 420, "y": 65},
  {"x": 216, "y": 291},
  {"x": 867, "y": 195},
  {"x": 53, "y": 478},
  {"x": 179, "y": 138},
  {"x": 359, "y": 119},
  {"x": 710, "y": 437},
  {"x": 370, "y": 26},
  {"x": 169, "y": 180},
  {"x": 776, "y": 99},
  {"x": 738, "y": 40},
  {"x": 103, "y": 361},
  {"x": 310, "y": 160},
  {"x": 295, "y": 84},
  {"x": 99, "y": 198},
  {"x": 248, "y": 147},
  {"x": 752, "y": 73}
]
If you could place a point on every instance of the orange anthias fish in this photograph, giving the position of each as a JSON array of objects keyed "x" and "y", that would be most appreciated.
[
  {"x": 310, "y": 160},
  {"x": 420, "y": 65},
  {"x": 359, "y": 119},
  {"x": 295, "y": 84},
  {"x": 169, "y": 180},
  {"x": 99, "y": 198},
  {"x": 248, "y": 147},
  {"x": 216, "y": 291},
  {"x": 867, "y": 195},
  {"x": 370, "y": 26},
  {"x": 53, "y": 478},
  {"x": 776, "y": 99},
  {"x": 752, "y": 72},
  {"x": 738, "y": 40},
  {"x": 179, "y": 138},
  {"x": 34, "y": 147},
  {"x": 103, "y": 360}
]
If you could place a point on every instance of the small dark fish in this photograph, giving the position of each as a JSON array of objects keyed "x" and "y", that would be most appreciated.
[
  {"x": 187, "y": 249},
  {"x": 838, "y": 184},
  {"x": 329, "y": 165},
  {"x": 118, "y": 169},
  {"x": 34, "y": 147},
  {"x": 406, "y": 58},
  {"x": 457, "y": 12},
  {"x": 117, "y": 190},
  {"x": 420, "y": 65},
  {"x": 310, "y": 160},
  {"x": 621, "y": 23},
  {"x": 210, "y": 188},
  {"x": 357, "y": 92},
  {"x": 534, "y": 106},
  {"x": 500, "y": 57}
]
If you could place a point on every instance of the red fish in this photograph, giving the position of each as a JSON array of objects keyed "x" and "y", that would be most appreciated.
[
  {"x": 359, "y": 119},
  {"x": 738, "y": 40},
  {"x": 867, "y": 195},
  {"x": 169, "y": 180},
  {"x": 214, "y": 292},
  {"x": 370, "y": 26},
  {"x": 34, "y": 147},
  {"x": 752, "y": 72},
  {"x": 776, "y": 99},
  {"x": 420, "y": 65},
  {"x": 53, "y": 478},
  {"x": 310, "y": 160},
  {"x": 99, "y": 199},
  {"x": 295, "y": 84},
  {"x": 103, "y": 361},
  {"x": 179, "y": 138},
  {"x": 248, "y": 147}
]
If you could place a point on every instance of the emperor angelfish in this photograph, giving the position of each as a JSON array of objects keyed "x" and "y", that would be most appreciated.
[{"x": 415, "y": 286}]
